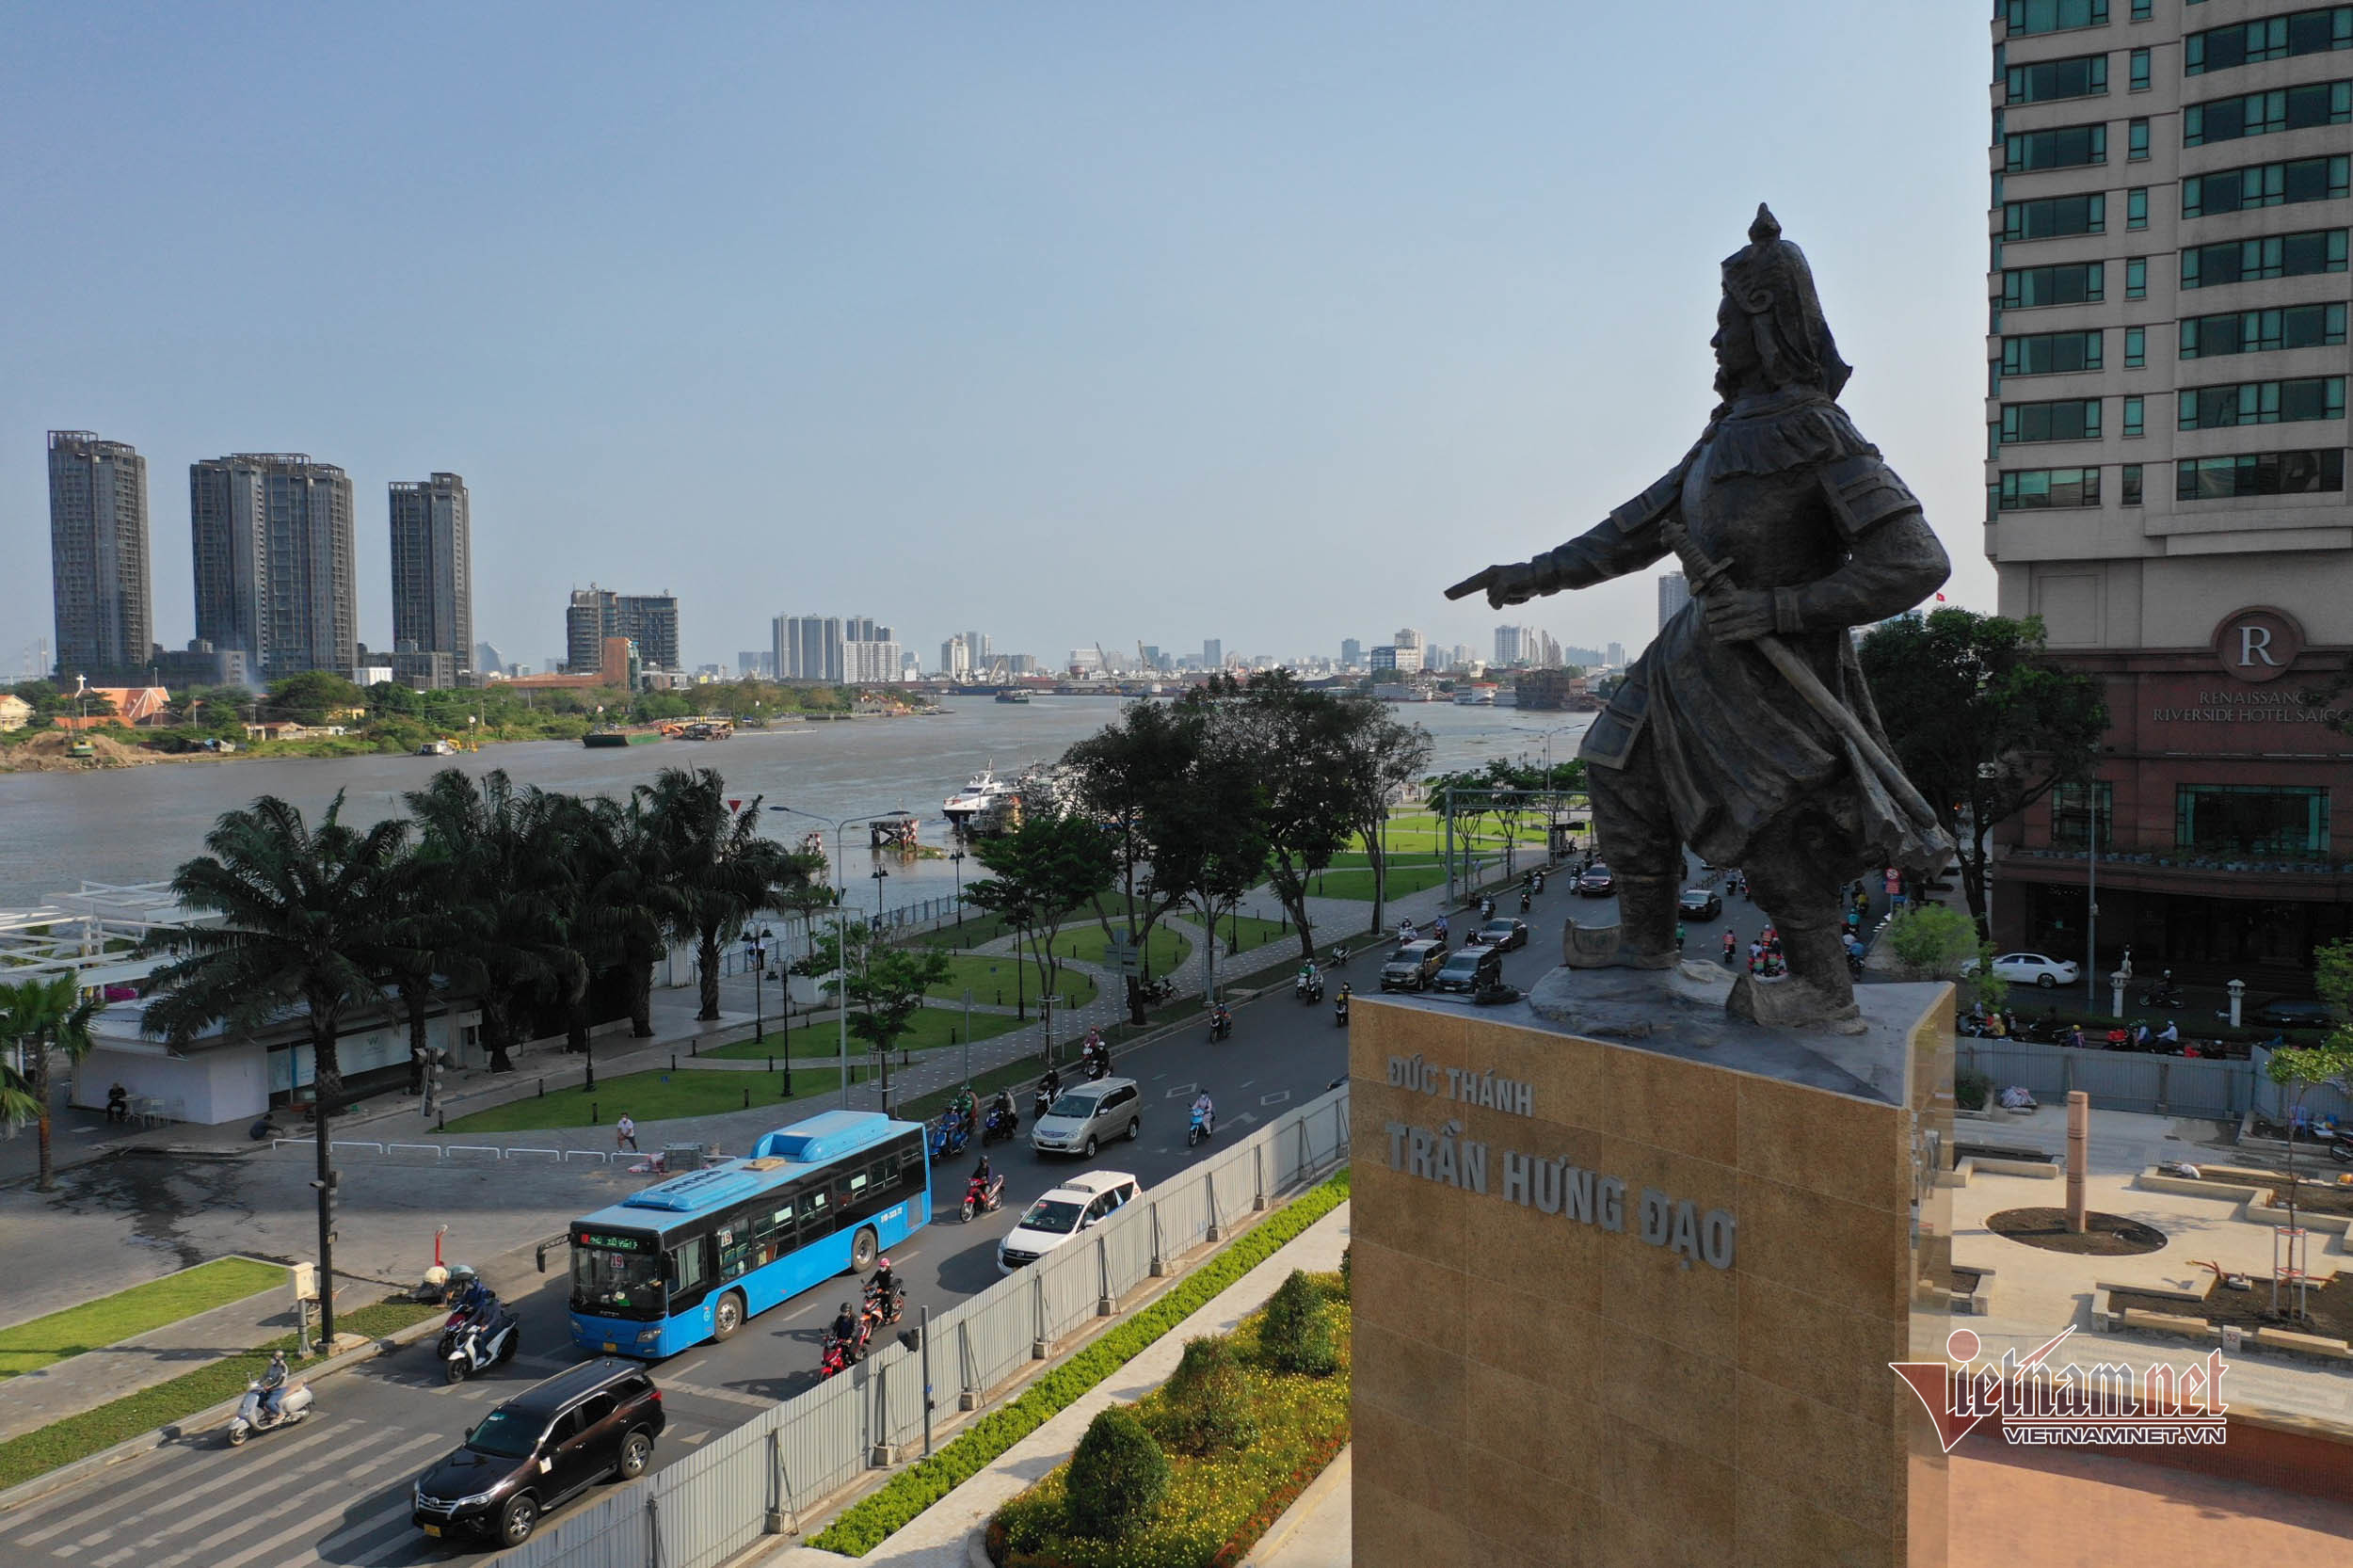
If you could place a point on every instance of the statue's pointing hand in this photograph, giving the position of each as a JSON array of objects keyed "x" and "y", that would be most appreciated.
[{"x": 1513, "y": 583}]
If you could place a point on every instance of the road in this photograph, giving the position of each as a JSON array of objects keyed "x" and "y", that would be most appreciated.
[{"x": 334, "y": 1490}]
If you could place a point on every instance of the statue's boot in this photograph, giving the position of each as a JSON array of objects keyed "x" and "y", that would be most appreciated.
[
  {"x": 1644, "y": 937},
  {"x": 1817, "y": 994}
]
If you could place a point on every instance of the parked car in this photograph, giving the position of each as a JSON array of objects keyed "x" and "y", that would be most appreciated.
[
  {"x": 1089, "y": 1115},
  {"x": 1699, "y": 904},
  {"x": 1501, "y": 933},
  {"x": 2294, "y": 1012},
  {"x": 1472, "y": 969},
  {"x": 593, "y": 1422},
  {"x": 2035, "y": 969},
  {"x": 1596, "y": 882},
  {"x": 1413, "y": 967},
  {"x": 1077, "y": 1204}
]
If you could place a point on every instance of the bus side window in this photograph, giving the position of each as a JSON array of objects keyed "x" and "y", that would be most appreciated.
[
  {"x": 690, "y": 1273},
  {"x": 772, "y": 1234},
  {"x": 816, "y": 1215},
  {"x": 735, "y": 1251}
]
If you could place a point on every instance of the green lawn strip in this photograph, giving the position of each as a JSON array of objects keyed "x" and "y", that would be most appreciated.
[
  {"x": 1245, "y": 933},
  {"x": 966, "y": 933},
  {"x": 992, "y": 980},
  {"x": 93, "y": 1432},
  {"x": 868, "y": 1522},
  {"x": 1164, "y": 951},
  {"x": 1219, "y": 1504},
  {"x": 933, "y": 1027},
  {"x": 1358, "y": 884},
  {"x": 46, "y": 1340},
  {"x": 689, "y": 1092}
]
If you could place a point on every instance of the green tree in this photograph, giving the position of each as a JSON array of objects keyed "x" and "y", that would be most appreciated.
[
  {"x": 1301, "y": 744},
  {"x": 306, "y": 919},
  {"x": 1140, "y": 775},
  {"x": 38, "y": 1018},
  {"x": 2300, "y": 1069},
  {"x": 1118, "y": 1476},
  {"x": 1383, "y": 756},
  {"x": 886, "y": 986},
  {"x": 627, "y": 905},
  {"x": 310, "y": 696},
  {"x": 1044, "y": 870},
  {"x": 725, "y": 870},
  {"x": 1982, "y": 720}
]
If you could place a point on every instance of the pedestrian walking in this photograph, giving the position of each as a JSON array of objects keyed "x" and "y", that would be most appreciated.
[{"x": 625, "y": 1135}]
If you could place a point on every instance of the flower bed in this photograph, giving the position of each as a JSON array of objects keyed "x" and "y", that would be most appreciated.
[{"x": 1217, "y": 1505}]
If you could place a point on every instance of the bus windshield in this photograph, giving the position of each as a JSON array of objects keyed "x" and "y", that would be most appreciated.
[{"x": 618, "y": 1284}]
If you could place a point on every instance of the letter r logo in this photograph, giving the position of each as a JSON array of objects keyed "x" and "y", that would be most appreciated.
[{"x": 2254, "y": 642}]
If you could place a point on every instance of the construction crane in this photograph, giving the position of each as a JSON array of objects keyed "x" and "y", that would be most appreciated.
[{"x": 1103, "y": 659}]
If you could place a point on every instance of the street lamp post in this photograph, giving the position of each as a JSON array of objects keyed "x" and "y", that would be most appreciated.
[
  {"x": 955, "y": 858},
  {"x": 755, "y": 958},
  {"x": 841, "y": 931}
]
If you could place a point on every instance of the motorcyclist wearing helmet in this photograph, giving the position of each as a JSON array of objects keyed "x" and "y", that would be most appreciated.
[
  {"x": 845, "y": 1328},
  {"x": 980, "y": 1172},
  {"x": 1050, "y": 1086},
  {"x": 274, "y": 1383},
  {"x": 1002, "y": 1105},
  {"x": 882, "y": 1285},
  {"x": 1205, "y": 1110}
]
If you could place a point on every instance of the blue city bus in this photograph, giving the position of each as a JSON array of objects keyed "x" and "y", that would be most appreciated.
[{"x": 690, "y": 1258}]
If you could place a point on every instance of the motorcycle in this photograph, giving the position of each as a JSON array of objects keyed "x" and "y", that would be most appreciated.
[
  {"x": 2161, "y": 994},
  {"x": 839, "y": 1352},
  {"x": 984, "y": 1197},
  {"x": 1041, "y": 1100},
  {"x": 1486, "y": 909},
  {"x": 1339, "y": 1010},
  {"x": 1525, "y": 900},
  {"x": 1308, "y": 988},
  {"x": 1538, "y": 884},
  {"x": 1204, "y": 1123},
  {"x": 1221, "y": 1023},
  {"x": 476, "y": 1339},
  {"x": 949, "y": 1136},
  {"x": 293, "y": 1403},
  {"x": 1096, "y": 1062},
  {"x": 2341, "y": 1146},
  {"x": 1003, "y": 1122},
  {"x": 878, "y": 1311},
  {"x": 1157, "y": 988}
]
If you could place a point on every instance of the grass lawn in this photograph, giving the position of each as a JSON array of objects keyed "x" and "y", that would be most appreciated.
[
  {"x": 991, "y": 977},
  {"x": 44, "y": 1340},
  {"x": 934, "y": 1026},
  {"x": 689, "y": 1091},
  {"x": 1356, "y": 882},
  {"x": 1166, "y": 950},
  {"x": 969, "y": 932},
  {"x": 1245, "y": 932}
]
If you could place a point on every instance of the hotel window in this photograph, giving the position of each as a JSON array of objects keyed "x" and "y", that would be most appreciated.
[
  {"x": 2072, "y": 804},
  {"x": 2128, "y": 485},
  {"x": 2138, "y": 76},
  {"x": 2072, "y": 283},
  {"x": 2137, "y": 278},
  {"x": 2284, "y": 821},
  {"x": 2055, "y": 217},
  {"x": 2246, "y": 473},
  {"x": 2144, "y": 9},
  {"x": 2281, "y": 184},
  {"x": 2049, "y": 488},
  {"x": 2137, "y": 207},
  {"x": 2137, "y": 140},
  {"x": 2065, "y": 147},
  {"x": 2051, "y": 353},
  {"x": 2084, "y": 76},
  {"x": 2076, "y": 419},
  {"x": 2274, "y": 37},
  {"x": 2132, "y": 417},
  {"x": 2262, "y": 114},
  {"x": 2261, "y": 331},
  {"x": 2054, "y": 16},
  {"x": 2262, "y": 403},
  {"x": 2136, "y": 347},
  {"x": 2207, "y": 267}
]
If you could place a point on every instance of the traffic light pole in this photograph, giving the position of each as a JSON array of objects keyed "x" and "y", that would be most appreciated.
[{"x": 325, "y": 1186}]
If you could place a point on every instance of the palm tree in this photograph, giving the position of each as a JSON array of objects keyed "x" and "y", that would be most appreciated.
[
  {"x": 631, "y": 902},
  {"x": 503, "y": 867},
  {"x": 306, "y": 919},
  {"x": 723, "y": 871},
  {"x": 38, "y": 1017}
]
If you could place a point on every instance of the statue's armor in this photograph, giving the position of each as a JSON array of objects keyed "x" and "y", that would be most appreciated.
[{"x": 1786, "y": 495}]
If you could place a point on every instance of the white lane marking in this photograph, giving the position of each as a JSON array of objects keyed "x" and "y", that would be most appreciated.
[
  {"x": 1278, "y": 1098},
  {"x": 240, "y": 1498},
  {"x": 1245, "y": 1083},
  {"x": 300, "y": 1526},
  {"x": 348, "y": 1538},
  {"x": 694, "y": 1439},
  {"x": 1178, "y": 1090},
  {"x": 705, "y": 1391},
  {"x": 183, "y": 1476},
  {"x": 1244, "y": 1117},
  {"x": 403, "y": 1540}
]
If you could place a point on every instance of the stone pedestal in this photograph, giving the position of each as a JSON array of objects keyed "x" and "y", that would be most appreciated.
[{"x": 1632, "y": 1300}]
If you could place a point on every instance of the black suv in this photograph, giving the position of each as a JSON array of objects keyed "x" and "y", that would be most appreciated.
[
  {"x": 1473, "y": 969},
  {"x": 595, "y": 1421}
]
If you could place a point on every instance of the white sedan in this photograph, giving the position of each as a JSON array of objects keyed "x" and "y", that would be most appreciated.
[{"x": 2023, "y": 968}]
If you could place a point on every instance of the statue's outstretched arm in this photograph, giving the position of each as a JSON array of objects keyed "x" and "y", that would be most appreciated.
[{"x": 1627, "y": 540}]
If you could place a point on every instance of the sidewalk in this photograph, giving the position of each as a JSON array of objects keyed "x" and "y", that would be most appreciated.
[
  {"x": 108, "y": 1373},
  {"x": 936, "y": 1538}
]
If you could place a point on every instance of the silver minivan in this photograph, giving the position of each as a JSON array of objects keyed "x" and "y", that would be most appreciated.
[{"x": 1089, "y": 1115}]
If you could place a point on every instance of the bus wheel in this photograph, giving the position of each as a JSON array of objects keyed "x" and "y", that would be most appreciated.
[
  {"x": 863, "y": 1252},
  {"x": 726, "y": 1317}
]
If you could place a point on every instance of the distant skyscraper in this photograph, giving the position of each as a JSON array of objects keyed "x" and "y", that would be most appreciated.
[
  {"x": 870, "y": 660},
  {"x": 1615, "y": 654},
  {"x": 758, "y": 663},
  {"x": 1212, "y": 653},
  {"x": 433, "y": 571},
  {"x": 488, "y": 658},
  {"x": 587, "y": 620},
  {"x": 98, "y": 553},
  {"x": 956, "y": 657},
  {"x": 809, "y": 647},
  {"x": 274, "y": 561},
  {"x": 650, "y": 620},
  {"x": 1352, "y": 653},
  {"x": 1674, "y": 594}
]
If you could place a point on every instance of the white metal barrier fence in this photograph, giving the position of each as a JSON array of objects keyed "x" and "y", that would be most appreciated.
[{"x": 759, "y": 1477}]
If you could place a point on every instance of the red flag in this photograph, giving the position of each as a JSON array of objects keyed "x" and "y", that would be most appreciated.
[{"x": 1940, "y": 598}]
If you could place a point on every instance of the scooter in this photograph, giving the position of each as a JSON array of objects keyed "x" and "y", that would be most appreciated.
[
  {"x": 1308, "y": 989},
  {"x": 1203, "y": 1124},
  {"x": 1002, "y": 1122},
  {"x": 949, "y": 1136},
  {"x": 1525, "y": 900},
  {"x": 984, "y": 1197},
  {"x": 838, "y": 1353},
  {"x": 879, "y": 1312},
  {"x": 2341, "y": 1146},
  {"x": 475, "y": 1341},
  {"x": 1040, "y": 1102},
  {"x": 1157, "y": 988},
  {"x": 1486, "y": 909},
  {"x": 1221, "y": 1023},
  {"x": 1538, "y": 883},
  {"x": 293, "y": 1403},
  {"x": 2161, "y": 994},
  {"x": 1097, "y": 1064},
  {"x": 1339, "y": 1010}
]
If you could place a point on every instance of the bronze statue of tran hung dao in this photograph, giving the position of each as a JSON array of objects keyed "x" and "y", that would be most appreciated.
[{"x": 1744, "y": 730}]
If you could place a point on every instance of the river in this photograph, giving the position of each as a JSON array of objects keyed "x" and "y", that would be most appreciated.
[{"x": 58, "y": 831}]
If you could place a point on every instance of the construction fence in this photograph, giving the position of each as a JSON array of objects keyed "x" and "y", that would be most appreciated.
[
  {"x": 761, "y": 1477},
  {"x": 2153, "y": 1085}
]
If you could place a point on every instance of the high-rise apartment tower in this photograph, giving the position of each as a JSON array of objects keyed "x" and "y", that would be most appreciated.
[
  {"x": 98, "y": 561},
  {"x": 433, "y": 570},
  {"x": 275, "y": 562}
]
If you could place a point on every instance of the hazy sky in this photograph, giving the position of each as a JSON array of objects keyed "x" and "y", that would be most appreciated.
[{"x": 1065, "y": 322}]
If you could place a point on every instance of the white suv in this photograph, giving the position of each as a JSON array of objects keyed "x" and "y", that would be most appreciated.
[{"x": 1077, "y": 1204}]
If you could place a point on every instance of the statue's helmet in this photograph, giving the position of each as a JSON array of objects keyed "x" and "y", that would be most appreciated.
[{"x": 1770, "y": 283}]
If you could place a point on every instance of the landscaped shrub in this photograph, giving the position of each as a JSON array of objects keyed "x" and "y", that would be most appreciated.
[
  {"x": 1206, "y": 1402},
  {"x": 1118, "y": 1476},
  {"x": 1348, "y": 1278},
  {"x": 1297, "y": 1334},
  {"x": 1972, "y": 1088}
]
